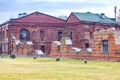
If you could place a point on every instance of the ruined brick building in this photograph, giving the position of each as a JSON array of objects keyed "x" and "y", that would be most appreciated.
[
  {"x": 37, "y": 31},
  {"x": 105, "y": 46},
  {"x": 80, "y": 27}
]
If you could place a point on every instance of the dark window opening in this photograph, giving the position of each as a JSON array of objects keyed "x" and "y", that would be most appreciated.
[
  {"x": 0, "y": 35},
  {"x": 24, "y": 35},
  {"x": 3, "y": 35},
  {"x": 105, "y": 46},
  {"x": 59, "y": 36},
  {"x": 42, "y": 35},
  {"x": 97, "y": 30},
  {"x": 7, "y": 33},
  {"x": 90, "y": 34},
  {"x": 86, "y": 45},
  {"x": 42, "y": 48},
  {"x": 71, "y": 35}
]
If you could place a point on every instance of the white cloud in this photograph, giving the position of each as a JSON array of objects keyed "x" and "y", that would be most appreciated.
[
  {"x": 56, "y": 7},
  {"x": 109, "y": 11}
]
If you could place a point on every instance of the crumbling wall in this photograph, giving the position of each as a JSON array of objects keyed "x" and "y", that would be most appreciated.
[
  {"x": 22, "y": 48},
  {"x": 113, "y": 40},
  {"x": 66, "y": 50},
  {"x": 112, "y": 35}
]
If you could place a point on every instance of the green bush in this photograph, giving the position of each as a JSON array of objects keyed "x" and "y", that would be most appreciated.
[{"x": 12, "y": 56}]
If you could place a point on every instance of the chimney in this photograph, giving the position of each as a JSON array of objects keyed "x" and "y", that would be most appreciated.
[
  {"x": 115, "y": 11},
  {"x": 22, "y": 14},
  {"x": 102, "y": 15}
]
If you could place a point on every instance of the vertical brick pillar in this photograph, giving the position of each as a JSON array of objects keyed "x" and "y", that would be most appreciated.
[
  {"x": 66, "y": 46},
  {"x": 97, "y": 44},
  {"x": 63, "y": 47},
  {"x": 54, "y": 50},
  {"x": 111, "y": 44}
]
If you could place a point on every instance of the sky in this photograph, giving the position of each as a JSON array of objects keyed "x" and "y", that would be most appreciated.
[{"x": 11, "y": 8}]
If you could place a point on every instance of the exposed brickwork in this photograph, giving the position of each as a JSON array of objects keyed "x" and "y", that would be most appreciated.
[
  {"x": 34, "y": 23},
  {"x": 105, "y": 35},
  {"x": 113, "y": 54},
  {"x": 82, "y": 33},
  {"x": 113, "y": 47}
]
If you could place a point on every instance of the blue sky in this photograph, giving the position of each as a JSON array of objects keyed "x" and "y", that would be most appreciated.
[{"x": 11, "y": 8}]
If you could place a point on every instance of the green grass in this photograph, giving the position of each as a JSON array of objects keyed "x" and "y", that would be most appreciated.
[{"x": 65, "y": 69}]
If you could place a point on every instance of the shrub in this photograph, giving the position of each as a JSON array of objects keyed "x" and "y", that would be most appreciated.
[
  {"x": 57, "y": 59},
  {"x": 34, "y": 57},
  {"x": 12, "y": 56}
]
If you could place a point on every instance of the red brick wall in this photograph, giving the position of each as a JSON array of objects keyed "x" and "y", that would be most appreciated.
[
  {"x": 113, "y": 48},
  {"x": 50, "y": 34},
  {"x": 35, "y": 23},
  {"x": 79, "y": 30},
  {"x": 40, "y": 17},
  {"x": 66, "y": 51},
  {"x": 83, "y": 31},
  {"x": 72, "y": 18},
  {"x": 4, "y": 38}
]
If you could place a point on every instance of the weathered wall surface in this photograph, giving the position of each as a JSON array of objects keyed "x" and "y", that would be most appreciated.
[
  {"x": 34, "y": 23},
  {"x": 82, "y": 33},
  {"x": 67, "y": 51}
]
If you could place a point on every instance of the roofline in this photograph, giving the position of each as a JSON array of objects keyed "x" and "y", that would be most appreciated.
[
  {"x": 92, "y": 21},
  {"x": 51, "y": 16},
  {"x": 39, "y": 13},
  {"x": 4, "y": 23},
  {"x": 70, "y": 15},
  {"x": 99, "y": 22},
  {"x": 28, "y": 15}
]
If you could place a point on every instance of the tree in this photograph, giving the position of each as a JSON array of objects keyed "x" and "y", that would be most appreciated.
[{"x": 64, "y": 17}]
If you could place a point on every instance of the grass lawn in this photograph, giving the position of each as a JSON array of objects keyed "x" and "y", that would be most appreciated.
[{"x": 65, "y": 69}]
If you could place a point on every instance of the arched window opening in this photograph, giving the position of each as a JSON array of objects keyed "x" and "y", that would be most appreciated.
[{"x": 24, "y": 35}]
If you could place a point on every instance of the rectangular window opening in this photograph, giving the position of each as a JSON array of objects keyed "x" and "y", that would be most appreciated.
[
  {"x": 42, "y": 35},
  {"x": 105, "y": 46},
  {"x": 59, "y": 36}
]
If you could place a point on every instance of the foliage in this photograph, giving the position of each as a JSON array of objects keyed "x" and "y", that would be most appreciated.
[
  {"x": 64, "y": 17},
  {"x": 13, "y": 56}
]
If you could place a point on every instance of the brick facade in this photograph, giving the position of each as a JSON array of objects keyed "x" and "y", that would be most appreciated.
[
  {"x": 112, "y": 36},
  {"x": 67, "y": 51},
  {"x": 43, "y": 29},
  {"x": 83, "y": 37},
  {"x": 34, "y": 23},
  {"x": 82, "y": 31}
]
